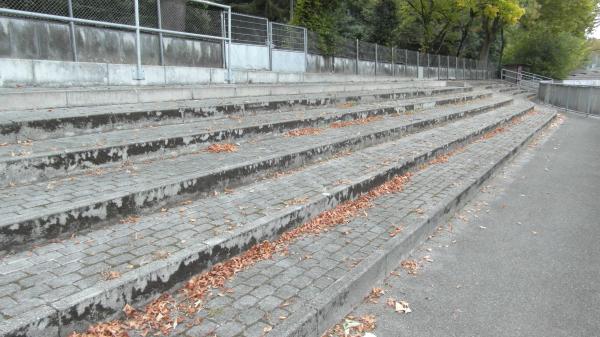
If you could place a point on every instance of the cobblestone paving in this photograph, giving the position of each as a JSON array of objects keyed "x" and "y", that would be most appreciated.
[
  {"x": 209, "y": 124},
  {"x": 55, "y": 196},
  {"x": 272, "y": 290},
  {"x": 53, "y": 271}
]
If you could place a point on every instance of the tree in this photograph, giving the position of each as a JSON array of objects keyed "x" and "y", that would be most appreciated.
[
  {"x": 317, "y": 15},
  {"x": 494, "y": 16},
  {"x": 547, "y": 52},
  {"x": 384, "y": 21}
]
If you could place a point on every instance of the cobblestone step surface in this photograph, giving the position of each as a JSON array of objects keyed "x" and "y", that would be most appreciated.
[
  {"x": 38, "y": 124},
  {"x": 50, "y": 158},
  {"x": 65, "y": 283},
  {"x": 41, "y": 211}
]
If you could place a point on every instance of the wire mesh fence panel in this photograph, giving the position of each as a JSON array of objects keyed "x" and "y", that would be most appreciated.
[
  {"x": 345, "y": 48},
  {"x": 413, "y": 57},
  {"x": 366, "y": 51},
  {"x": 249, "y": 29},
  {"x": 52, "y": 7},
  {"x": 384, "y": 54},
  {"x": 400, "y": 56},
  {"x": 287, "y": 37}
]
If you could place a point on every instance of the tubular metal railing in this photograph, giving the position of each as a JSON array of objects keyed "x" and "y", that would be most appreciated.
[{"x": 523, "y": 79}]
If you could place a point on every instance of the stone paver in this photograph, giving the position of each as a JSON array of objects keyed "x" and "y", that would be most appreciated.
[
  {"x": 79, "y": 263},
  {"x": 27, "y": 202},
  {"x": 269, "y": 292},
  {"x": 209, "y": 124}
]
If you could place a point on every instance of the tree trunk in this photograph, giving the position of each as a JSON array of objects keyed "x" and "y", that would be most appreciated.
[
  {"x": 173, "y": 14},
  {"x": 465, "y": 32},
  {"x": 489, "y": 38}
]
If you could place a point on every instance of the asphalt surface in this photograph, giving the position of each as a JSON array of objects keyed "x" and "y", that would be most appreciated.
[{"x": 521, "y": 259}]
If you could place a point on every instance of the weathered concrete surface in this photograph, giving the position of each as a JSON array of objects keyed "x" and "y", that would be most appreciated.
[{"x": 524, "y": 261}]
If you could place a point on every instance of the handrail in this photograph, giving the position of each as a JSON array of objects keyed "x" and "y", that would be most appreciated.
[{"x": 523, "y": 79}]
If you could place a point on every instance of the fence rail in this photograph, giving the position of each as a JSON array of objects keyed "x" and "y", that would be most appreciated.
[{"x": 208, "y": 21}]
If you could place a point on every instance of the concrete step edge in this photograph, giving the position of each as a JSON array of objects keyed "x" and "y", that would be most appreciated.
[
  {"x": 42, "y": 166},
  {"x": 16, "y": 232}
]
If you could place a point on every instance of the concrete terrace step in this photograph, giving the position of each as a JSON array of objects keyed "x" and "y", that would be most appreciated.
[
  {"x": 46, "y": 210},
  {"x": 53, "y": 123},
  {"x": 39, "y": 160},
  {"x": 62, "y": 283},
  {"x": 47, "y": 98}
]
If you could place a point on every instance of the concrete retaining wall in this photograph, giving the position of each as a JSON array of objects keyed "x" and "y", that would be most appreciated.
[
  {"x": 582, "y": 98},
  {"x": 44, "y": 40}
]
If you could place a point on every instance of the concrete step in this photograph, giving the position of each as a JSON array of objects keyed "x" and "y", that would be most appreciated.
[
  {"x": 46, "y": 210},
  {"x": 40, "y": 160},
  {"x": 54, "y": 123},
  {"x": 51, "y": 98},
  {"x": 66, "y": 283}
]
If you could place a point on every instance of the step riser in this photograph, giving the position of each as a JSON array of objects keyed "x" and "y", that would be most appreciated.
[
  {"x": 64, "y": 127},
  {"x": 14, "y": 235},
  {"x": 49, "y": 99},
  {"x": 41, "y": 168},
  {"x": 175, "y": 269},
  {"x": 351, "y": 290}
]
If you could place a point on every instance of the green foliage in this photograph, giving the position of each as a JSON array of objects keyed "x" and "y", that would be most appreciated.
[
  {"x": 317, "y": 15},
  {"x": 547, "y": 52}
]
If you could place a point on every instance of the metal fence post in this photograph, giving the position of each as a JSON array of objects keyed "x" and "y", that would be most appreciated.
[
  {"x": 428, "y": 64},
  {"x": 223, "y": 51},
  {"x": 139, "y": 73},
  {"x": 406, "y": 62},
  {"x": 376, "y": 61},
  {"x": 305, "y": 50},
  {"x": 439, "y": 66},
  {"x": 393, "y": 64},
  {"x": 418, "y": 61},
  {"x": 357, "y": 57},
  {"x": 160, "y": 35},
  {"x": 270, "y": 43},
  {"x": 447, "y": 67},
  {"x": 72, "y": 31},
  {"x": 229, "y": 40}
]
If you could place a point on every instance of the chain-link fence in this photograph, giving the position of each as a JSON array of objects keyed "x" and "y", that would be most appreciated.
[
  {"x": 287, "y": 37},
  {"x": 249, "y": 29},
  {"x": 206, "y": 21}
]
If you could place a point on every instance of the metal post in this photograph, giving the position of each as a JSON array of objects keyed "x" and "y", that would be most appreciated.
[
  {"x": 305, "y": 50},
  {"x": 160, "y": 35},
  {"x": 393, "y": 64},
  {"x": 229, "y": 75},
  {"x": 405, "y": 62},
  {"x": 223, "y": 51},
  {"x": 376, "y": 59},
  {"x": 72, "y": 30},
  {"x": 139, "y": 73},
  {"x": 418, "y": 61},
  {"x": 464, "y": 70},
  {"x": 270, "y": 43},
  {"x": 357, "y": 57},
  {"x": 447, "y": 67}
]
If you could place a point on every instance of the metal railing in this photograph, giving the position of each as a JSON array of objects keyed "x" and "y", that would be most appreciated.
[
  {"x": 523, "y": 79},
  {"x": 197, "y": 19}
]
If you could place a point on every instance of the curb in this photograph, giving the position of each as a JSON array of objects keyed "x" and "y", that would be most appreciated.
[{"x": 344, "y": 294}]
